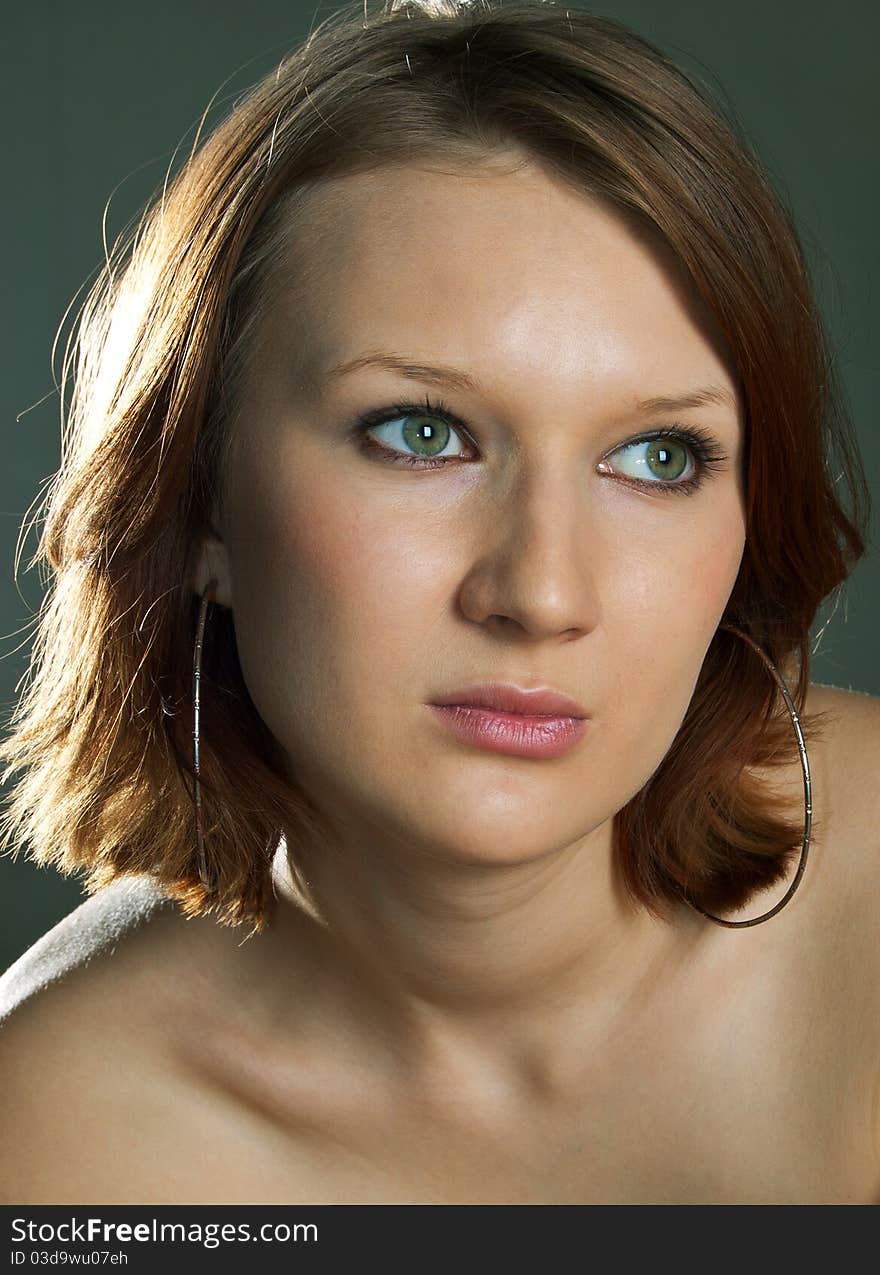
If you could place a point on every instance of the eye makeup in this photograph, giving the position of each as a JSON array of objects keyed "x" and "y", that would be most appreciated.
[{"x": 706, "y": 454}]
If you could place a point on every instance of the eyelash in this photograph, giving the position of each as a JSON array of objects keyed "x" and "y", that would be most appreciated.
[{"x": 708, "y": 457}]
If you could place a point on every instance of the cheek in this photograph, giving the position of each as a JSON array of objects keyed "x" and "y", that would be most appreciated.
[
  {"x": 659, "y": 625},
  {"x": 713, "y": 562},
  {"x": 334, "y": 596},
  {"x": 362, "y": 574},
  {"x": 677, "y": 578}
]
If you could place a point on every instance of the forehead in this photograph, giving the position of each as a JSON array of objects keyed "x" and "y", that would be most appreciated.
[{"x": 500, "y": 267}]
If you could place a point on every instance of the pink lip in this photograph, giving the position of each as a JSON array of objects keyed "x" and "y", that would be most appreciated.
[
  {"x": 513, "y": 733},
  {"x": 504, "y": 697}
]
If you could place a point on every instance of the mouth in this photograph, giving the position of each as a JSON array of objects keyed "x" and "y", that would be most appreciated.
[{"x": 505, "y": 719}]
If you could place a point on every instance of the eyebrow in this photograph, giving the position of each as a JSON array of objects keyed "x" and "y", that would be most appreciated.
[{"x": 454, "y": 379}]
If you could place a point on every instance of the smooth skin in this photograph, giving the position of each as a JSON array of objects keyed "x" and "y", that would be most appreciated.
[
  {"x": 472, "y": 891},
  {"x": 473, "y": 1011}
]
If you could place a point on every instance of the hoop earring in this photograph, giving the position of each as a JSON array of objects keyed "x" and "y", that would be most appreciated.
[
  {"x": 207, "y": 596},
  {"x": 808, "y": 793}
]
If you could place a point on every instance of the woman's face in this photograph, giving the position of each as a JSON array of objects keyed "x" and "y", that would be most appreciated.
[{"x": 364, "y": 589}]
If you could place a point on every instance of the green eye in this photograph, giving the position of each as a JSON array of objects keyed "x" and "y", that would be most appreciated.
[
  {"x": 664, "y": 458},
  {"x": 422, "y": 435},
  {"x": 426, "y": 436}
]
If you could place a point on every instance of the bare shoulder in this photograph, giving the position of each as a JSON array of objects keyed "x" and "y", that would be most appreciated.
[
  {"x": 856, "y": 712},
  {"x": 845, "y": 760},
  {"x": 851, "y": 755},
  {"x": 853, "y": 751},
  {"x": 82, "y": 1017}
]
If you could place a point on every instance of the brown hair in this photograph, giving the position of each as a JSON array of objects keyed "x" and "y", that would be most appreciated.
[{"x": 103, "y": 730}]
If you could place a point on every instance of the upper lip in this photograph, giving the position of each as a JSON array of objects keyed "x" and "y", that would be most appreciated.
[{"x": 507, "y": 698}]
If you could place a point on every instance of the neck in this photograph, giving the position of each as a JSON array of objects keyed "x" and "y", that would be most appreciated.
[{"x": 512, "y": 968}]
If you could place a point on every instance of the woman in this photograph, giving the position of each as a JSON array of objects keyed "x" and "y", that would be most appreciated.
[{"x": 472, "y": 348}]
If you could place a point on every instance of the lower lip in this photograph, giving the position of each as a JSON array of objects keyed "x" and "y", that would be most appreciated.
[{"x": 511, "y": 733}]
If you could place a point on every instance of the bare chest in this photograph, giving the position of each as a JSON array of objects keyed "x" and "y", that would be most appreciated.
[
  {"x": 761, "y": 1093},
  {"x": 753, "y": 1079}
]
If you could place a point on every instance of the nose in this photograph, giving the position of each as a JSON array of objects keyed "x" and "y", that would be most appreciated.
[{"x": 534, "y": 568}]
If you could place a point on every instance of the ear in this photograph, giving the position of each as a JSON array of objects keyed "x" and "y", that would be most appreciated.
[{"x": 212, "y": 563}]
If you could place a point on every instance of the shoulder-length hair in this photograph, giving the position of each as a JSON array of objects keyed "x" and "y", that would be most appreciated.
[{"x": 103, "y": 729}]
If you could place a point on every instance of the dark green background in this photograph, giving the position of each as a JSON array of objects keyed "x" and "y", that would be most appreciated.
[{"x": 98, "y": 95}]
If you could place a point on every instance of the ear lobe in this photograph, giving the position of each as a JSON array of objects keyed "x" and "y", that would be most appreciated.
[{"x": 212, "y": 563}]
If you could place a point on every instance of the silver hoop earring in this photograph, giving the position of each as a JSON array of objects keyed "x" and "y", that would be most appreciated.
[
  {"x": 207, "y": 597},
  {"x": 808, "y": 793}
]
